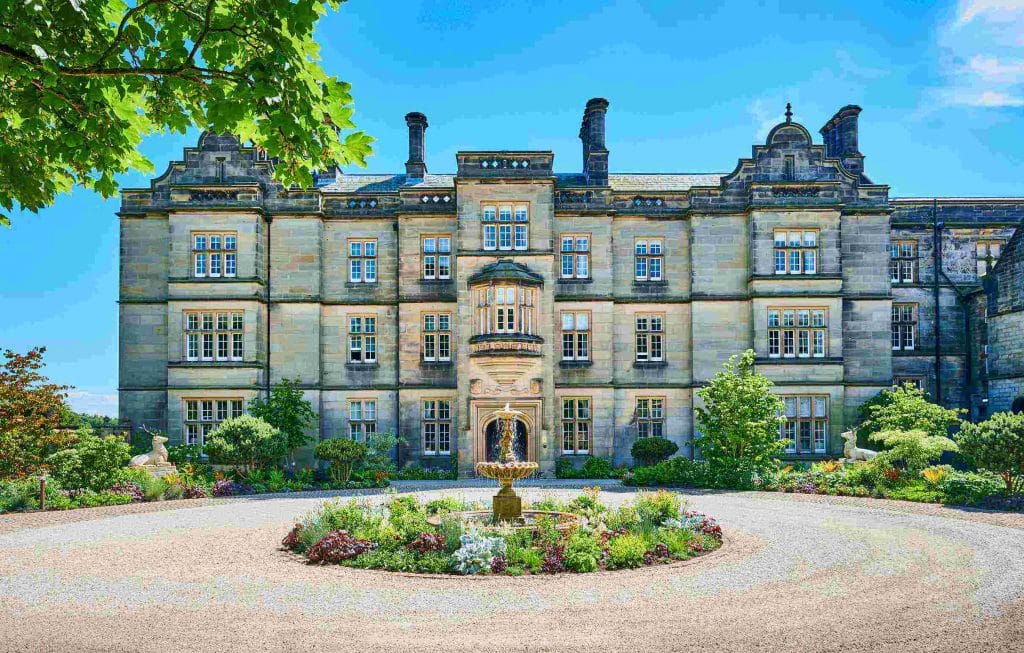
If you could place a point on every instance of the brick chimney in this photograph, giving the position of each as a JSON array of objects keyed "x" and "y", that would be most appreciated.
[
  {"x": 595, "y": 154},
  {"x": 415, "y": 167},
  {"x": 841, "y": 138}
]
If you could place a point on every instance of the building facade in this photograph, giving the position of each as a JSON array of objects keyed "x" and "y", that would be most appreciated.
[{"x": 594, "y": 302}]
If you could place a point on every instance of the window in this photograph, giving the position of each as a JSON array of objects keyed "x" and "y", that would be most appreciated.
[
  {"x": 362, "y": 339},
  {"x": 796, "y": 252},
  {"x": 214, "y": 254},
  {"x": 204, "y": 415},
  {"x": 214, "y": 336},
  {"x": 437, "y": 337},
  {"x": 648, "y": 259},
  {"x": 362, "y": 419},
  {"x": 437, "y": 257},
  {"x": 575, "y": 256},
  {"x": 505, "y": 309},
  {"x": 576, "y": 336},
  {"x": 988, "y": 253},
  {"x": 576, "y": 426},
  {"x": 506, "y": 226},
  {"x": 916, "y": 381},
  {"x": 903, "y": 261},
  {"x": 650, "y": 417},
  {"x": 789, "y": 168},
  {"x": 805, "y": 428},
  {"x": 904, "y": 327},
  {"x": 437, "y": 427},
  {"x": 650, "y": 332},
  {"x": 362, "y": 261},
  {"x": 797, "y": 332}
]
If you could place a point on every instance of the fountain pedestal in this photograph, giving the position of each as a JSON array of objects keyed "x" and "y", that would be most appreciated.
[{"x": 506, "y": 506}]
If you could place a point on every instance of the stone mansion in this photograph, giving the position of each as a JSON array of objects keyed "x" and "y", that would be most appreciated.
[{"x": 594, "y": 302}]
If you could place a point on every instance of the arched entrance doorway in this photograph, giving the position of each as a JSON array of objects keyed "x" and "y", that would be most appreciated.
[{"x": 492, "y": 440}]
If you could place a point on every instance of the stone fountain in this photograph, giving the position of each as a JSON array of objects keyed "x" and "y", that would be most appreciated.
[{"x": 507, "y": 505}]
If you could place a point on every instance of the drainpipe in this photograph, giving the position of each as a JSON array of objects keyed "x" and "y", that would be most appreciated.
[
  {"x": 266, "y": 380},
  {"x": 937, "y": 257},
  {"x": 398, "y": 345}
]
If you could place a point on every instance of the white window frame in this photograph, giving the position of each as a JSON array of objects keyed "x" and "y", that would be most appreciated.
[
  {"x": 797, "y": 420},
  {"x": 650, "y": 417},
  {"x": 577, "y": 426},
  {"x": 436, "y": 255},
  {"x": 436, "y": 337},
  {"x": 649, "y": 259},
  {"x": 576, "y": 335},
  {"x": 797, "y": 331},
  {"x": 362, "y": 260},
  {"x": 362, "y": 419},
  {"x": 201, "y": 415},
  {"x": 214, "y": 254},
  {"x": 649, "y": 329},
  {"x": 574, "y": 256},
  {"x": 904, "y": 326},
  {"x": 795, "y": 251},
  {"x": 505, "y": 226},
  {"x": 204, "y": 331},
  {"x": 437, "y": 427},
  {"x": 362, "y": 339}
]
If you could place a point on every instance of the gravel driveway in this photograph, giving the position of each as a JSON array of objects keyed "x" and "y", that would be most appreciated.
[{"x": 796, "y": 573}]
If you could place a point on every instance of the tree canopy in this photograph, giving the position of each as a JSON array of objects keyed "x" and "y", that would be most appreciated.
[
  {"x": 31, "y": 407},
  {"x": 82, "y": 82}
]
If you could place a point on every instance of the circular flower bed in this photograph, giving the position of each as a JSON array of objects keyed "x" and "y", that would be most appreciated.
[{"x": 406, "y": 535}]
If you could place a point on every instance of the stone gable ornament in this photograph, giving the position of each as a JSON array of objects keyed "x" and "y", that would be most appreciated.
[{"x": 854, "y": 453}]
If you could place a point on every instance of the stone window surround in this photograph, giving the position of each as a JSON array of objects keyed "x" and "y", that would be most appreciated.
[
  {"x": 362, "y": 339},
  {"x": 232, "y": 335},
  {"x": 204, "y": 254},
  {"x": 440, "y": 335},
  {"x": 437, "y": 255},
  {"x": 806, "y": 251},
  {"x": 646, "y": 259},
  {"x": 436, "y": 420},
  {"x": 650, "y": 416},
  {"x": 577, "y": 425},
  {"x": 492, "y": 234},
  {"x": 362, "y": 267},
  {"x": 813, "y": 333},
  {"x": 649, "y": 337},
  {"x": 904, "y": 326},
  {"x": 903, "y": 261},
  {"x": 575, "y": 254},
  {"x": 580, "y": 339},
  {"x": 813, "y": 425},
  {"x": 362, "y": 422}
]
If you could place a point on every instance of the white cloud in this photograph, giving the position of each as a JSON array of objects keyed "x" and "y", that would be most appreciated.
[
  {"x": 983, "y": 54},
  {"x": 103, "y": 403}
]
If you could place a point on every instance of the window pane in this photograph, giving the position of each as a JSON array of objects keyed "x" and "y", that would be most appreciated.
[{"x": 355, "y": 249}]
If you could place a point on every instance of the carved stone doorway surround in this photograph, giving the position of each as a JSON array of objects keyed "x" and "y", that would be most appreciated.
[{"x": 483, "y": 412}]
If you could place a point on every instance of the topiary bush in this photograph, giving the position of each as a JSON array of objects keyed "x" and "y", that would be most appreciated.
[
  {"x": 342, "y": 454},
  {"x": 997, "y": 445},
  {"x": 651, "y": 451},
  {"x": 247, "y": 441}
]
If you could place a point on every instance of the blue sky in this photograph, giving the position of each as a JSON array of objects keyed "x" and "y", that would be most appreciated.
[{"x": 692, "y": 86}]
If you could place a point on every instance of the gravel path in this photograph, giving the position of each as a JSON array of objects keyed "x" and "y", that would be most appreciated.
[{"x": 796, "y": 573}]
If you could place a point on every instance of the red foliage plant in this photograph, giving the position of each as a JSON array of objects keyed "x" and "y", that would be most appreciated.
[
  {"x": 337, "y": 546},
  {"x": 427, "y": 542},
  {"x": 291, "y": 540}
]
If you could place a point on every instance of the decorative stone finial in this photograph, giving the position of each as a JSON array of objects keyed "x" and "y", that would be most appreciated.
[{"x": 789, "y": 112}]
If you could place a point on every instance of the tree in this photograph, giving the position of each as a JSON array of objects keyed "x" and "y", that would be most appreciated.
[
  {"x": 906, "y": 408},
  {"x": 916, "y": 448},
  {"x": 30, "y": 413},
  {"x": 997, "y": 444},
  {"x": 246, "y": 441},
  {"x": 740, "y": 417},
  {"x": 342, "y": 454},
  {"x": 84, "y": 81},
  {"x": 288, "y": 412}
]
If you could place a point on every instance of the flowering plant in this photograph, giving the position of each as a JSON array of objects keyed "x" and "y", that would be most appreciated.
[
  {"x": 130, "y": 488},
  {"x": 476, "y": 552},
  {"x": 337, "y": 546}
]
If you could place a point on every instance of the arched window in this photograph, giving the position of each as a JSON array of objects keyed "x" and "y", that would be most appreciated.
[{"x": 505, "y": 308}]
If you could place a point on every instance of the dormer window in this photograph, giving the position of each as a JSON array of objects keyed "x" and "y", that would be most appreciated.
[{"x": 505, "y": 226}]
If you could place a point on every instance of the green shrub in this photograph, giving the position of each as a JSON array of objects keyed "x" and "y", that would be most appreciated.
[
  {"x": 531, "y": 559},
  {"x": 342, "y": 454},
  {"x": 968, "y": 488},
  {"x": 593, "y": 467},
  {"x": 247, "y": 441},
  {"x": 443, "y": 505},
  {"x": 997, "y": 445},
  {"x": 22, "y": 494},
  {"x": 916, "y": 449},
  {"x": 90, "y": 499},
  {"x": 677, "y": 540},
  {"x": 658, "y": 507},
  {"x": 92, "y": 462},
  {"x": 905, "y": 408},
  {"x": 650, "y": 451},
  {"x": 452, "y": 528},
  {"x": 626, "y": 551},
  {"x": 185, "y": 453},
  {"x": 582, "y": 552},
  {"x": 624, "y": 516},
  {"x": 916, "y": 491},
  {"x": 549, "y": 504}
]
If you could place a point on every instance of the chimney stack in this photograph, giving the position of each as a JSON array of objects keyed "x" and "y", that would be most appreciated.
[
  {"x": 840, "y": 134},
  {"x": 595, "y": 154},
  {"x": 415, "y": 167}
]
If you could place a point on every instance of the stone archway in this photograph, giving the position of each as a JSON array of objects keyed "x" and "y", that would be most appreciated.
[{"x": 492, "y": 440}]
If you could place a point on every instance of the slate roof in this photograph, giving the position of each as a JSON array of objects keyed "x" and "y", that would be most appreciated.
[
  {"x": 507, "y": 270},
  {"x": 624, "y": 182},
  {"x": 364, "y": 183}
]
